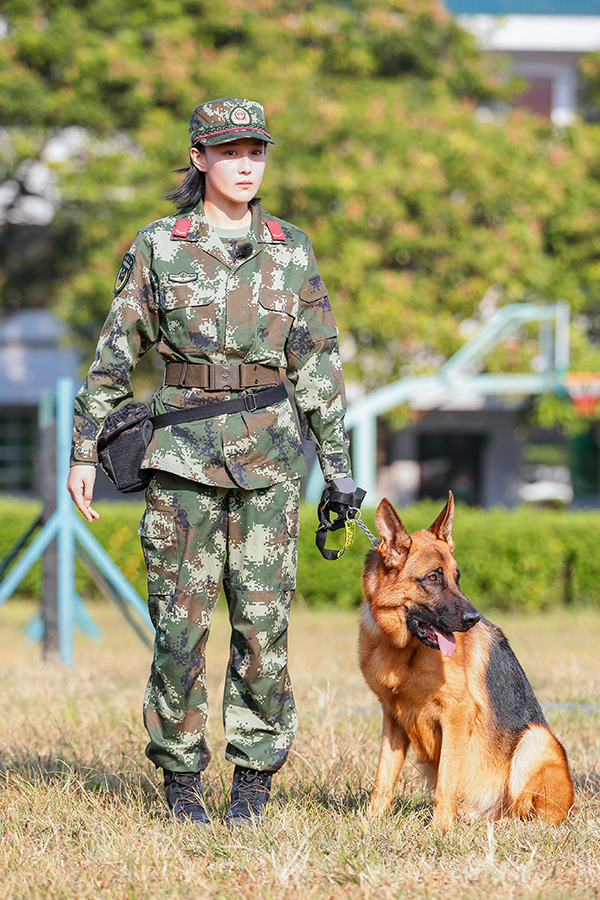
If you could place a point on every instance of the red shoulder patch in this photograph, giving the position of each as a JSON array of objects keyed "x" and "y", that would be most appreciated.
[
  {"x": 182, "y": 226},
  {"x": 275, "y": 229}
]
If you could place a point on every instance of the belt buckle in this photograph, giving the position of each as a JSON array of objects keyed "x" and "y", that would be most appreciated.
[
  {"x": 250, "y": 402},
  {"x": 223, "y": 377},
  {"x": 182, "y": 374}
]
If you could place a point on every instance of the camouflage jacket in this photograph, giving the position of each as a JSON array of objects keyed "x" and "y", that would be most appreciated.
[{"x": 180, "y": 291}]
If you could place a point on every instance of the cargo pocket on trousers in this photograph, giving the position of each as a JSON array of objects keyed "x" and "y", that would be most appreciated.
[
  {"x": 158, "y": 536},
  {"x": 290, "y": 557}
]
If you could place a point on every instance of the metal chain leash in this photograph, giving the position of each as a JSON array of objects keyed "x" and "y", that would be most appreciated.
[{"x": 358, "y": 520}]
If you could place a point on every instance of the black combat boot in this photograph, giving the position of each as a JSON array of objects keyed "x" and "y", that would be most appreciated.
[
  {"x": 185, "y": 797},
  {"x": 250, "y": 793}
]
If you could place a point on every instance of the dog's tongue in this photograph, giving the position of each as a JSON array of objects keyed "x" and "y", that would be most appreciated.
[{"x": 446, "y": 642}]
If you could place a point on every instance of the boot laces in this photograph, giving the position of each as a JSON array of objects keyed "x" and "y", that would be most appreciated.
[{"x": 251, "y": 783}]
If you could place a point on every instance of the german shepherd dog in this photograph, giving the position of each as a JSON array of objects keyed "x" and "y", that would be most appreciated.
[{"x": 450, "y": 685}]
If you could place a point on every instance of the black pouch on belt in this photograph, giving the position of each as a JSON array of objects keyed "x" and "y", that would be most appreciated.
[
  {"x": 122, "y": 445},
  {"x": 124, "y": 439}
]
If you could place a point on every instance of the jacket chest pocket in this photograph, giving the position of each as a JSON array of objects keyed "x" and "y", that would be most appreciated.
[
  {"x": 189, "y": 315},
  {"x": 275, "y": 316}
]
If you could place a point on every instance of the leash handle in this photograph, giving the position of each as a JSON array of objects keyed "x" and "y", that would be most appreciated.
[
  {"x": 321, "y": 537},
  {"x": 346, "y": 507}
]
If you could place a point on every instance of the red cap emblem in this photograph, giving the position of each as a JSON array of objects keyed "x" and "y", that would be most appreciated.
[
  {"x": 275, "y": 229},
  {"x": 182, "y": 227}
]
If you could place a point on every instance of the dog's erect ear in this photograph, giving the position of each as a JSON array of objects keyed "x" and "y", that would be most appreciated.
[
  {"x": 442, "y": 527},
  {"x": 395, "y": 540}
]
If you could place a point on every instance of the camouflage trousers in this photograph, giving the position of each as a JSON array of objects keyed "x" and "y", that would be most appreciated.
[{"x": 196, "y": 538}]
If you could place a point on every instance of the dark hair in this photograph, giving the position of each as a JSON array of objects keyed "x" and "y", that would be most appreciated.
[{"x": 191, "y": 190}]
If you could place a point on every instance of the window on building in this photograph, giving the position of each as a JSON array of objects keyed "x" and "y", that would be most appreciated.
[
  {"x": 18, "y": 449},
  {"x": 451, "y": 462}
]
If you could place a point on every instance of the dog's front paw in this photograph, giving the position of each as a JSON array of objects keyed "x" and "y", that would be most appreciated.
[
  {"x": 444, "y": 819},
  {"x": 378, "y": 806}
]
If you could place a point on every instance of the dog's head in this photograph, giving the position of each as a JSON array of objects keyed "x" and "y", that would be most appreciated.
[{"x": 411, "y": 582}]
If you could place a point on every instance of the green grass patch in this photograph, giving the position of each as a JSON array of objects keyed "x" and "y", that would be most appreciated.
[{"x": 83, "y": 815}]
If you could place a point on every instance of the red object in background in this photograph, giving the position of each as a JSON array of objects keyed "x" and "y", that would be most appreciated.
[{"x": 538, "y": 96}]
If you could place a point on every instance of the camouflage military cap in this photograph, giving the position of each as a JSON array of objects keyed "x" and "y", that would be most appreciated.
[{"x": 220, "y": 121}]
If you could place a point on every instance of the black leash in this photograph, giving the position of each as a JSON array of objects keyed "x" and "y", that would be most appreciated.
[{"x": 346, "y": 508}]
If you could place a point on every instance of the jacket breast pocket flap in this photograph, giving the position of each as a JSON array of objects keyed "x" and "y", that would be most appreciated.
[
  {"x": 278, "y": 301},
  {"x": 178, "y": 295}
]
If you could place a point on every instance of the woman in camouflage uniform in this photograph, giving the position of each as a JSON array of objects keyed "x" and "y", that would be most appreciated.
[{"x": 229, "y": 296}]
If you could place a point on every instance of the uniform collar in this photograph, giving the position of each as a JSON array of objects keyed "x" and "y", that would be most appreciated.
[{"x": 193, "y": 226}]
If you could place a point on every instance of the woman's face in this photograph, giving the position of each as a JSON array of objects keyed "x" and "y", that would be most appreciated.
[{"x": 233, "y": 171}]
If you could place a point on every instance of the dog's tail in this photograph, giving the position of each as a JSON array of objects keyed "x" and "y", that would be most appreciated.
[{"x": 539, "y": 781}]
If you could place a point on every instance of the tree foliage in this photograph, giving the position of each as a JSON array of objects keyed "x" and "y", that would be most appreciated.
[{"x": 397, "y": 151}]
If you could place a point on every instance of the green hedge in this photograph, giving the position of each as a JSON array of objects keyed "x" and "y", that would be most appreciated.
[{"x": 527, "y": 558}]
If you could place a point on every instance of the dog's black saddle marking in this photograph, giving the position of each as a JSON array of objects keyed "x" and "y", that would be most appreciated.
[{"x": 511, "y": 696}]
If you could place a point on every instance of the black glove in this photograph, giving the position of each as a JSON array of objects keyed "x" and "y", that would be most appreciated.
[{"x": 343, "y": 498}]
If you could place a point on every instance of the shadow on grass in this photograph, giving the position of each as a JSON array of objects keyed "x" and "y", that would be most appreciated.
[
  {"x": 93, "y": 776},
  {"x": 131, "y": 784},
  {"x": 587, "y": 782},
  {"x": 354, "y": 798}
]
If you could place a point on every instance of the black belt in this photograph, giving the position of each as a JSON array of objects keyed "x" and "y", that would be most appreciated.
[{"x": 245, "y": 403}]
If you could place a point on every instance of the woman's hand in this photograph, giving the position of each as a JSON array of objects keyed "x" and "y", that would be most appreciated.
[{"x": 80, "y": 485}]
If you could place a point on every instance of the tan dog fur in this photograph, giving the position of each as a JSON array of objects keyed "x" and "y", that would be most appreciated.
[{"x": 471, "y": 716}]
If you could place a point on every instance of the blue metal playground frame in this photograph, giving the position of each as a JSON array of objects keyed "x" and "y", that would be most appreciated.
[
  {"x": 66, "y": 525},
  {"x": 454, "y": 379}
]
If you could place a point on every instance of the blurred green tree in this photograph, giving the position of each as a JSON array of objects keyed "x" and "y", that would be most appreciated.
[{"x": 429, "y": 201}]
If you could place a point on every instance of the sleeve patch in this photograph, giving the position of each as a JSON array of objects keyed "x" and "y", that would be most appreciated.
[{"x": 124, "y": 273}]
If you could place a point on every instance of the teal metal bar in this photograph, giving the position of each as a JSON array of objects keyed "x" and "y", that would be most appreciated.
[
  {"x": 502, "y": 323},
  {"x": 111, "y": 571},
  {"x": 84, "y": 620},
  {"x": 66, "y": 525},
  {"x": 33, "y": 552},
  {"x": 315, "y": 483},
  {"x": 66, "y": 538},
  {"x": 34, "y": 628},
  {"x": 562, "y": 347},
  {"x": 364, "y": 451},
  {"x": 453, "y": 378}
]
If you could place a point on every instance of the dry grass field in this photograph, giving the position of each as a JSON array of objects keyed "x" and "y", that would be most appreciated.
[{"x": 82, "y": 814}]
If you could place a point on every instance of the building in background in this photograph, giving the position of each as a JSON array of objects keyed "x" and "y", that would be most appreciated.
[
  {"x": 488, "y": 457},
  {"x": 543, "y": 38},
  {"x": 32, "y": 357}
]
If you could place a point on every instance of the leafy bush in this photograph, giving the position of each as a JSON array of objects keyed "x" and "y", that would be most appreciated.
[
  {"x": 116, "y": 530},
  {"x": 528, "y": 559}
]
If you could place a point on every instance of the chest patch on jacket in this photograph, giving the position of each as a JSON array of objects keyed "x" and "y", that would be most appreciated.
[
  {"x": 124, "y": 273},
  {"x": 183, "y": 277}
]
